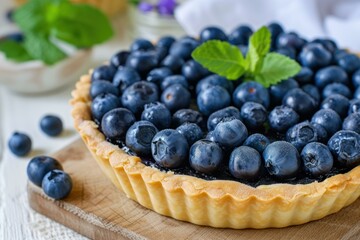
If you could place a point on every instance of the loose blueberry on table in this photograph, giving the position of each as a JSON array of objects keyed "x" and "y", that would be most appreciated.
[{"x": 200, "y": 107}]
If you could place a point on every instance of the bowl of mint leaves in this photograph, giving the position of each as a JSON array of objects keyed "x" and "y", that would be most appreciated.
[{"x": 53, "y": 46}]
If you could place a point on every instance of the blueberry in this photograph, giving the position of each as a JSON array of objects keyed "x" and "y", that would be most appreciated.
[
  {"x": 39, "y": 166},
  {"x": 230, "y": 133},
  {"x": 141, "y": 44},
  {"x": 304, "y": 76},
  {"x": 157, "y": 114},
  {"x": 282, "y": 160},
  {"x": 16, "y": 37},
  {"x": 240, "y": 35},
  {"x": 254, "y": 115},
  {"x": 328, "y": 44},
  {"x": 174, "y": 79},
  {"x": 160, "y": 54},
  {"x": 317, "y": 159},
  {"x": 119, "y": 59},
  {"x": 356, "y": 79},
  {"x": 210, "y": 136},
  {"x": 115, "y": 123},
  {"x": 314, "y": 56},
  {"x": 187, "y": 116},
  {"x": 251, "y": 92},
  {"x": 213, "y": 99},
  {"x": 301, "y": 134},
  {"x": 176, "y": 97},
  {"x": 183, "y": 48},
  {"x": 142, "y": 62},
  {"x": 354, "y": 106},
  {"x": 257, "y": 141},
  {"x": 313, "y": 91},
  {"x": 245, "y": 163},
  {"x": 338, "y": 103},
  {"x": 139, "y": 136},
  {"x": 349, "y": 62},
  {"x": 212, "y": 33},
  {"x": 20, "y": 144},
  {"x": 173, "y": 63},
  {"x": 169, "y": 148},
  {"x": 165, "y": 42},
  {"x": 57, "y": 184},
  {"x": 289, "y": 40},
  {"x": 205, "y": 156},
  {"x": 157, "y": 75},
  {"x": 101, "y": 86},
  {"x": 321, "y": 132},
  {"x": 102, "y": 104},
  {"x": 339, "y": 53},
  {"x": 51, "y": 125},
  {"x": 191, "y": 131},
  {"x": 278, "y": 91},
  {"x": 345, "y": 146},
  {"x": 357, "y": 93},
  {"x": 300, "y": 101},
  {"x": 328, "y": 119},
  {"x": 219, "y": 115},
  {"x": 336, "y": 88},
  {"x": 275, "y": 30},
  {"x": 105, "y": 72},
  {"x": 214, "y": 80},
  {"x": 352, "y": 122},
  {"x": 193, "y": 71},
  {"x": 125, "y": 77},
  {"x": 138, "y": 94},
  {"x": 281, "y": 118},
  {"x": 287, "y": 51},
  {"x": 329, "y": 75}
]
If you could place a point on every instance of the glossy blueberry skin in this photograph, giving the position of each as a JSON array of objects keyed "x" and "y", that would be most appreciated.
[
  {"x": 193, "y": 71},
  {"x": 187, "y": 116},
  {"x": 301, "y": 134},
  {"x": 254, "y": 115},
  {"x": 251, "y": 92},
  {"x": 142, "y": 62},
  {"x": 275, "y": 30},
  {"x": 328, "y": 44},
  {"x": 345, "y": 147},
  {"x": 282, "y": 160},
  {"x": 141, "y": 44},
  {"x": 165, "y": 42},
  {"x": 245, "y": 163},
  {"x": 287, "y": 51},
  {"x": 321, "y": 132},
  {"x": 329, "y": 75},
  {"x": 212, "y": 99},
  {"x": 160, "y": 54},
  {"x": 230, "y": 133},
  {"x": 20, "y": 144},
  {"x": 212, "y": 33},
  {"x": 119, "y": 59},
  {"x": 115, "y": 123},
  {"x": 183, "y": 48},
  {"x": 317, "y": 159},
  {"x": 176, "y": 97},
  {"x": 357, "y": 93},
  {"x": 349, "y": 62},
  {"x": 313, "y": 91},
  {"x": 338, "y": 103},
  {"x": 51, "y": 125},
  {"x": 173, "y": 63},
  {"x": 104, "y": 72},
  {"x": 219, "y": 115},
  {"x": 214, "y": 80},
  {"x": 210, "y": 136},
  {"x": 174, "y": 79},
  {"x": 328, "y": 119},
  {"x": 138, "y": 137},
  {"x": 157, "y": 75},
  {"x": 169, "y": 148},
  {"x": 240, "y": 35},
  {"x": 356, "y": 79},
  {"x": 336, "y": 88},
  {"x": 125, "y": 77},
  {"x": 289, "y": 40},
  {"x": 352, "y": 122},
  {"x": 278, "y": 91},
  {"x": 57, "y": 184},
  {"x": 101, "y": 86},
  {"x": 314, "y": 56},
  {"x": 191, "y": 131},
  {"x": 257, "y": 141},
  {"x": 281, "y": 118},
  {"x": 102, "y": 104},
  {"x": 354, "y": 106},
  {"x": 138, "y": 94},
  {"x": 300, "y": 101},
  {"x": 205, "y": 156},
  {"x": 39, "y": 166},
  {"x": 157, "y": 114},
  {"x": 304, "y": 76}
]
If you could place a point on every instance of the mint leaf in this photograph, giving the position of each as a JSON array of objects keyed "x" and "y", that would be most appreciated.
[
  {"x": 259, "y": 46},
  {"x": 221, "y": 58},
  {"x": 81, "y": 25},
  {"x": 40, "y": 47},
  {"x": 14, "y": 51},
  {"x": 275, "y": 68}
]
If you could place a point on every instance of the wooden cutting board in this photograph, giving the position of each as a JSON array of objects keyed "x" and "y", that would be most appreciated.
[{"x": 98, "y": 210}]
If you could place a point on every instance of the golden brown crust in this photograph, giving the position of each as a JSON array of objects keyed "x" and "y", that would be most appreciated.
[{"x": 217, "y": 203}]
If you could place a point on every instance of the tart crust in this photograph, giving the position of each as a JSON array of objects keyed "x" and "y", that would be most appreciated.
[{"x": 218, "y": 203}]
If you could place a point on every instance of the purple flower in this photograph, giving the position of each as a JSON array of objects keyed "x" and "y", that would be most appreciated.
[
  {"x": 166, "y": 7},
  {"x": 145, "y": 7}
]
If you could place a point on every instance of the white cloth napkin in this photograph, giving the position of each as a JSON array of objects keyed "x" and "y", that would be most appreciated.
[{"x": 335, "y": 19}]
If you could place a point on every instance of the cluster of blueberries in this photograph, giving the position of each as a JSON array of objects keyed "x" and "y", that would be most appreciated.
[{"x": 161, "y": 103}]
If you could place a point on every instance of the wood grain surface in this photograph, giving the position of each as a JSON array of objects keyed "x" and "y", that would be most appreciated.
[{"x": 98, "y": 210}]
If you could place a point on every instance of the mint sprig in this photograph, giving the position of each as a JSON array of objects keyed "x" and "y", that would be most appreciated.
[{"x": 260, "y": 65}]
